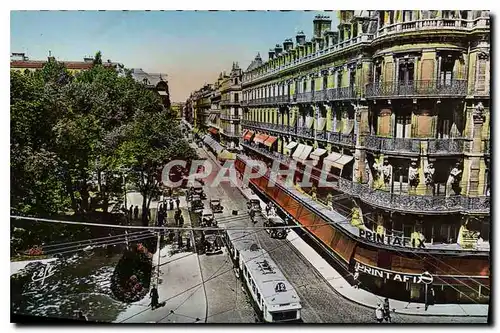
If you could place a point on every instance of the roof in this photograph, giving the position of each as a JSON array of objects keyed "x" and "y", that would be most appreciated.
[
  {"x": 255, "y": 63},
  {"x": 68, "y": 64},
  {"x": 149, "y": 79},
  {"x": 267, "y": 276}
]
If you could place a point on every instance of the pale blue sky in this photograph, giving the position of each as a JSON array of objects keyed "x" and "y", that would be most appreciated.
[{"x": 192, "y": 47}]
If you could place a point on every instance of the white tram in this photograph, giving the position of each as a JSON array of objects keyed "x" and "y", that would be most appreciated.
[{"x": 273, "y": 295}]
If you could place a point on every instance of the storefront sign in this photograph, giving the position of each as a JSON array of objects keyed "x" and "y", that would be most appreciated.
[
  {"x": 390, "y": 239},
  {"x": 425, "y": 277}
]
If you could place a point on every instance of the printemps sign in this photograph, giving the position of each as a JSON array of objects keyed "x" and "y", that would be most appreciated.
[{"x": 425, "y": 277}]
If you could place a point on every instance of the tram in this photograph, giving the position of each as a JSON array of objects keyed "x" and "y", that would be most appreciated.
[{"x": 273, "y": 296}]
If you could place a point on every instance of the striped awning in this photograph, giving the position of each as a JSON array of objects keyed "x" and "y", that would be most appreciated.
[
  {"x": 225, "y": 155},
  {"x": 270, "y": 140},
  {"x": 305, "y": 153},
  {"x": 298, "y": 151},
  {"x": 244, "y": 133},
  {"x": 317, "y": 153},
  {"x": 291, "y": 145},
  {"x": 248, "y": 135},
  {"x": 260, "y": 138}
]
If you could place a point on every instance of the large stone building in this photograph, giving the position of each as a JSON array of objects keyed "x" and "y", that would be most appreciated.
[
  {"x": 154, "y": 82},
  {"x": 21, "y": 62},
  {"x": 395, "y": 105}
]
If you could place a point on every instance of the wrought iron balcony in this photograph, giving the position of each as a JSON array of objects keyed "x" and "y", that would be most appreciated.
[
  {"x": 410, "y": 89},
  {"x": 433, "y": 24},
  {"x": 425, "y": 204},
  {"x": 305, "y": 132},
  {"x": 414, "y": 145},
  {"x": 336, "y": 137},
  {"x": 341, "y": 93},
  {"x": 446, "y": 146},
  {"x": 304, "y": 97},
  {"x": 229, "y": 117},
  {"x": 416, "y": 203}
]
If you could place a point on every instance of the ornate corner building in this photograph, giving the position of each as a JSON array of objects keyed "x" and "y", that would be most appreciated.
[{"x": 396, "y": 106}]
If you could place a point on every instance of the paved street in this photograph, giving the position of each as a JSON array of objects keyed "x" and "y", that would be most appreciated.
[{"x": 321, "y": 304}]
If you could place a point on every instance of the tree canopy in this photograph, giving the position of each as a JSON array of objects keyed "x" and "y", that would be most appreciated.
[{"x": 73, "y": 135}]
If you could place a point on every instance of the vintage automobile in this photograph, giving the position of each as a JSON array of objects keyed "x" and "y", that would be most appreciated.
[
  {"x": 196, "y": 205},
  {"x": 276, "y": 227},
  {"x": 215, "y": 206},
  {"x": 207, "y": 218},
  {"x": 254, "y": 205},
  {"x": 212, "y": 242}
]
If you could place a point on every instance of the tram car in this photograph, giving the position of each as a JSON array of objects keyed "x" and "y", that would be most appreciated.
[
  {"x": 275, "y": 298},
  {"x": 277, "y": 227}
]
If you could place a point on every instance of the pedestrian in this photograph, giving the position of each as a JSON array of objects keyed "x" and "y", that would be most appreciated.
[
  {"x": 153, "y": 294},
  {"x": 136, "y": 212},
  {"x": 181, "y": 220},
  {"x": 176, "y": 216},
  {"x": 130, "y": 212},
  {"x": 161, "y": 217},
  {"x": 160, "y": 207},
  {"x": 177, "y": 202},
  {"x": 387, "y": 310},
  {"x": 171, "y": 204},
  {"x": 379, "y": 313},
  {"x": 430, "y": 298}
]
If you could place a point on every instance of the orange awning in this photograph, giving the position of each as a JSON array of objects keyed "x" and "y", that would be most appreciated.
[
  {"x": 213, "y": 130},
  {"x": 248, "y": 135},
  {"x": 244, "y": 133},
  {"x": 270, "y": 140},
  {"x": 260, "y": 138}
]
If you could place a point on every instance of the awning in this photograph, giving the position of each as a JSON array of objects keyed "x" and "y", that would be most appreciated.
[
  {"x": 316, "y": 154},
  {"x": 321, "y": 124},
  {"x": 162, "y": 93},
  {"x": 244, "y": 133},
  {"x": 291, "y": 145},
  {"x": 298, "y": 151},
  {"x": 305, "y": 153},
  {"x": 213, "y": 130},
  {"x": 260, "y": 138},
  {"x": 337, "y": 160},
  {"x": 309, "y": 122},
  {"x": 213, "y": 144},
  {"x": 248, "y": 135},
  {"x": 270, "y": 140},
  {"x": 225, "y": 155}
]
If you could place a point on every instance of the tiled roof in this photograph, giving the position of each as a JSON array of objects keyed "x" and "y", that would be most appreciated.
[
  {"x": 67, "y": 64},
  {"x": 140, "y": 76}
]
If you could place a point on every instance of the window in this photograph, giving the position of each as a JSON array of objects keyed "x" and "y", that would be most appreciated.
[
  {"x": 325, "y": 82},
  {"x": 446, "y": 74},
  {"x": 339, "y": 79},
  {"x": 236, "y": 98},
  {"x": 304, "y": 86}
]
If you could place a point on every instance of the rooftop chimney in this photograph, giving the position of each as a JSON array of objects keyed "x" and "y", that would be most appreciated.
[
  {"x": 271, "y": 54},
  {"x": 300, "y": 38},
  {"x": 88, "y": 59},
  {"x": 321, "y": 23},
  {"x": 278, "y": 49},
  {"x": 288, "y": 44}
]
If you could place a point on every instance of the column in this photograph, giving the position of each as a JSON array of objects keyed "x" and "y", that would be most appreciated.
[
  {"x": 361, "y": 130},
  {"x": 476, "y": 154}
]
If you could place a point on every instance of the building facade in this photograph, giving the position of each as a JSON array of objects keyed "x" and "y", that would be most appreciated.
[
  {"x": 154, "y": 82},
  {"x": 396, "y": 106}
]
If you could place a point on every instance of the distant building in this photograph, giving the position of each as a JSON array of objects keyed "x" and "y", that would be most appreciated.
[
  {"x": 178, "y": 107},
  {"x": 155, "y": 82},
  {"x": 20, "y": 62}
]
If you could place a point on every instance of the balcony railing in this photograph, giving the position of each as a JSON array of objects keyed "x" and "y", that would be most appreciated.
[
  {"x": 398, "y": 202},
  {"x": 433, "y": 24},
  {"x": 453, "y": 88},
  {"x": 414, "y": 145},
  {"x": 229, "y": 117}
]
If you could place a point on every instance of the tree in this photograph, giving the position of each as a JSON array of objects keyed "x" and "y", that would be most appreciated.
[{"x": 98, "y": 58}]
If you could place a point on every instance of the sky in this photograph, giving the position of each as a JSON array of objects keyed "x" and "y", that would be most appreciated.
[{"x": 191, "y": 47}]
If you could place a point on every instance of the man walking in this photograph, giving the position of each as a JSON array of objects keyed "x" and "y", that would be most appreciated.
[
  {"x": 171, "y": 204},
  {"x": 177, "y": 202},
  {"x": 130, "y": 212},
  {"x": 136, "y": 212},
  {"x": 387, "y": 310},
  {"x": 153, "y": 294},
  {"x": 181, "y": 219},
  {"x": 379, "y": 313}
]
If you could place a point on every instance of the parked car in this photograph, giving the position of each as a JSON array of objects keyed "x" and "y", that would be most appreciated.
[{"x": 216, "y": 206}]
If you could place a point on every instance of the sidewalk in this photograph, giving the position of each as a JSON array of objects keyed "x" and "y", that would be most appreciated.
[{"x": 366, "y": 298}]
